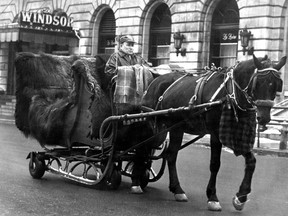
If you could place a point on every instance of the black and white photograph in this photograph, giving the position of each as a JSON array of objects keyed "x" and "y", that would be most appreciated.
[{"x": 143, "y": 108}]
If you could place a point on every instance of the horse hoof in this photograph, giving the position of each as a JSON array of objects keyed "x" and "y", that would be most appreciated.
[
  {"x": 237, "y": 204},
  {"x": 181, "y": 197},
  {"x": 136, "y": 190},
  {"x": 214, "y": 206}
]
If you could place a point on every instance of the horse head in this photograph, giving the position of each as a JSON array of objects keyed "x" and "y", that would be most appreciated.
[
  {"x": 265, "y": 86},
  {"x": 260, "y": 84}
]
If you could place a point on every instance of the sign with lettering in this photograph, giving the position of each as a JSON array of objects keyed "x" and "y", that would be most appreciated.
[
  {"x": 46, "y": 21},
  {"x": 229, "y": 36}
]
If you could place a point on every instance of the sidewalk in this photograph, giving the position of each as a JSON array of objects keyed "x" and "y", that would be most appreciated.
[
  {"x": 5, "y": 119},
  {"x": 266, "y": 146}
]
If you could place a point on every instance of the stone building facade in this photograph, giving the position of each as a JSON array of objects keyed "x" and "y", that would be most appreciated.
[{"x": 210, "y": 30}]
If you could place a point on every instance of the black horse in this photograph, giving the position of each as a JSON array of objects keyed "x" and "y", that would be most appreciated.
[{"x": 223, "y": 104}]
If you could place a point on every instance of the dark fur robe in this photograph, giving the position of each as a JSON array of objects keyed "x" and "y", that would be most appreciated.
[
  {"x": 40, "y": 74},
  {"x": 50, "y": 105}
]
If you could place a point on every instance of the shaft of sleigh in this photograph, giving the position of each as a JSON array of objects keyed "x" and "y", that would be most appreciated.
[{"x": 144, "y": 115}]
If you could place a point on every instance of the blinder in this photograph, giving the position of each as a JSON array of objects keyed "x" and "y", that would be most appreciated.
[
  {"x": 254, "y": 82},
  {"x": 275, "y": 73},
  {"x": 279, "y": 86}
]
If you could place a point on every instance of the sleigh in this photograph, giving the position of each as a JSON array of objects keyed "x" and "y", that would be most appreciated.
[{"x": 58, "y": 100}]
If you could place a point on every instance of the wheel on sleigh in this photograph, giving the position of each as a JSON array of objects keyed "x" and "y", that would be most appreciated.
[{"x": 37, "y": 165}]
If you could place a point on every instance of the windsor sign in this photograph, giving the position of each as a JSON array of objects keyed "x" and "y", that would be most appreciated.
[{"x": 46, "y": 21}]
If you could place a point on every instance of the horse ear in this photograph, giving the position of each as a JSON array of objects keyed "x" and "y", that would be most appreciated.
[
  {"x": 257, "y": 63},
  {"x": 265, "y": 58},
  {"x": 281, "y": 63}
]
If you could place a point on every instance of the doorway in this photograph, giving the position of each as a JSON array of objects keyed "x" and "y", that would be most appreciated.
[
  {"x": 224, "y": 34},
  {"x": 160, "y": 36}
]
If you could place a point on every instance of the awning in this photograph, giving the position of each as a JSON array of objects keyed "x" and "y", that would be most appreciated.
[
  {"x": 38, "y": 36},
  {"x": 13, "y": 33},
  {"x": 9, "y": 33}
]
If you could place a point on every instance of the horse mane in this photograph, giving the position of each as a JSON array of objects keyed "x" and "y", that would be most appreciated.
[
  {"x": 249, "y": 64},
  {"x": 248, "y": 67}
]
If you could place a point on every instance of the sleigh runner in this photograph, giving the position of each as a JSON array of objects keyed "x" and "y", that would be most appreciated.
[{"x": 98, "y": 144}]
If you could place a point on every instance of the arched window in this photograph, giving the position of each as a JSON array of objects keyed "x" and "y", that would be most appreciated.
[
  {"x": 160, "y": 36},
  {"x": 107, "y": 33},
  {"x": 224, "y": 34}
]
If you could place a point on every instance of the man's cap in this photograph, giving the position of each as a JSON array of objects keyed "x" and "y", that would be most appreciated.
[{"x": 127, "y": 38}]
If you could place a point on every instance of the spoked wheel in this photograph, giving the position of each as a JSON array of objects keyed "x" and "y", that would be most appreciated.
[
  {"x": 157, "y": 168},
  {"x": 113, "y": 177},
  {"x": 151, "y": 174},
  {"x": 128, "y": 170},
  {"x": 37, "y": 165}
]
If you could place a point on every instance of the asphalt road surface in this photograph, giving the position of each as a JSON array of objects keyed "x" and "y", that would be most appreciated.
[{"x": 20, "y": 195}]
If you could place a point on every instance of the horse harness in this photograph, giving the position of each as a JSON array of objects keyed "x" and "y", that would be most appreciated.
[
  {"x": 231, "y": 85},
  {"x": 160, "y": 99}
]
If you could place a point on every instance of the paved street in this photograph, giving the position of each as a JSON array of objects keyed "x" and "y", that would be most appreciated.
[{"x": 20, "y": 195}]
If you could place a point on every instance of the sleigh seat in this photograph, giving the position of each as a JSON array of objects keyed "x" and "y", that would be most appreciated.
[{"x": 80, "y": 119}]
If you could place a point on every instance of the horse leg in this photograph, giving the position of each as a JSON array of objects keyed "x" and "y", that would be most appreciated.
[
  {"x": 176, "y": 136},
  {"x": 139, "y": 169},
  {"x": 215, "y": 162},
  {"x": 245, "y": 187}
]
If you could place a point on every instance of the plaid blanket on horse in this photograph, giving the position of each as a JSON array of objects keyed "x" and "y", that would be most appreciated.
[
  {"x": 131, "y": 83},
  {"x": 238, "y": 136}
]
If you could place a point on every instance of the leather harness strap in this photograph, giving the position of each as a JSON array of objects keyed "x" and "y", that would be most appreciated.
[
  {"x": 160, "y": 99},
  {"x": 197, "y": 97}
]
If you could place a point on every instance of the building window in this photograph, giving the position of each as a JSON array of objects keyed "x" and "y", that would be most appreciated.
[
  {"x": 107, "y": 33},
  {"x": 224, "y": 34},
  {"x": 160, "y": 36}
]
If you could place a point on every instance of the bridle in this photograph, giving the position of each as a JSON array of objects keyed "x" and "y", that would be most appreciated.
[
  {"x": 262, "y": 73},
  {"x": 249, "y": 95}
]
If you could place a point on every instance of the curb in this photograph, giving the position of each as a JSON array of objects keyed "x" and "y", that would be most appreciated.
[
  {"x": 272, "y": 152},
  {"x": 257, "y": 151},
  {"x": 7, "y": 121}
]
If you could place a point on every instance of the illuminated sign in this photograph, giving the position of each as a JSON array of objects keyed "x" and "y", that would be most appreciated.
[{"x": 46, "y": 21}]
